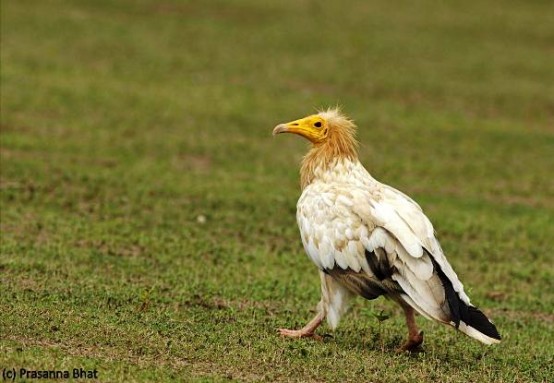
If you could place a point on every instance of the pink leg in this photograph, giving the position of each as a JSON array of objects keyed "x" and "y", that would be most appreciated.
[
  {"x": 306, "y": 331},
  {"x": 415, "y": 337}
]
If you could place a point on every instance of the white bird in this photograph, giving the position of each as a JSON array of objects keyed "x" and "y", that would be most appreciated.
[{"x": 369, "y": 239}]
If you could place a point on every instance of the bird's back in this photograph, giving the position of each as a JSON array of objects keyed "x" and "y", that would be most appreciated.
[{"x": 375, "y": 240}]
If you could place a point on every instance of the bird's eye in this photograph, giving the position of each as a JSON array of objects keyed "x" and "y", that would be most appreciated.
[{"x": 318, "y": 124}]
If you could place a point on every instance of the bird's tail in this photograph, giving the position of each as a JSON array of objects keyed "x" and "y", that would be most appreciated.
[
  {"x": 475, "y": 324},
  {"x": 465, "y": 317}
]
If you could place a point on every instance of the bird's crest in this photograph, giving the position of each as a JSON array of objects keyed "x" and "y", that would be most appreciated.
[{"x": 340, "y": 143}]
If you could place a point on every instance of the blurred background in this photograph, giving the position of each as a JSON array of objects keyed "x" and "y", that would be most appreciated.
[{"x": 147, "y": 213}]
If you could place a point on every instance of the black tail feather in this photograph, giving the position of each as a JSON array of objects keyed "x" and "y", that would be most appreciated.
[
  {"x": 480, "y": 322},
  {"x": 460, "y": 311}
]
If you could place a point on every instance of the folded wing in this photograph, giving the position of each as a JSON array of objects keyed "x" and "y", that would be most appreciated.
[{"x": 381, "y": 243}]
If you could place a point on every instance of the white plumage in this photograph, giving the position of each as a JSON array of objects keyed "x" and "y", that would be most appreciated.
[{"x": 370, "y": 239}]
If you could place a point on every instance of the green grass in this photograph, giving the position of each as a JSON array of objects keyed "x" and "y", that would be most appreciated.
[{"x": 124, "y": 121}]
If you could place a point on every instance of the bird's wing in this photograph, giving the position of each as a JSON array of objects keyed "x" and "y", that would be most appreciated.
[
  {"x": 421, "y": 268},
  {"x": 402, "y": 217},
  {"x": 363, "y": 235},
  {"x": 431, "y": 285},
  {"x": 367, "y": 237}
]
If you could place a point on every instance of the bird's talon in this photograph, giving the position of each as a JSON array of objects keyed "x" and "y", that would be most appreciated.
[
  {"x": 410, "y": 349},
  {"x": 299, "y": 334},
  {"x": 413, "y": 344}
]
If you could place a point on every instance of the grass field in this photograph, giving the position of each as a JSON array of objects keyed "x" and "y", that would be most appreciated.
[{"x": 148, "y": 216}]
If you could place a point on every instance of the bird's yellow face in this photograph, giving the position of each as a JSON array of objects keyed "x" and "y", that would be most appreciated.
[{"x": 314, "y": 128}]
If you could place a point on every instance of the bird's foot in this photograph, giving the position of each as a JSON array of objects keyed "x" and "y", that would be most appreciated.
[
  {"x": 299, "y": 334},
  {"x": 413, "y": 344}
]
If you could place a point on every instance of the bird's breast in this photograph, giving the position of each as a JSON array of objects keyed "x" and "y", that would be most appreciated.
[{"x": 330, "y": 228}]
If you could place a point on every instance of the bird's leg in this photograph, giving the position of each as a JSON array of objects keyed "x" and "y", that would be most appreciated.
[
  {"x": 306, "y": 331},
  {"x": 415, "y": 337}
]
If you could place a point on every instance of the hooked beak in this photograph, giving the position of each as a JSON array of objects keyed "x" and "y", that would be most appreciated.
[
  {"x": 307, "y": 127},
  {"x": 281, "y": 128}
]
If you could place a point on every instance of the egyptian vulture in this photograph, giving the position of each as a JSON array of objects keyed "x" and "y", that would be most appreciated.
[{"x": 369, "y": 239}]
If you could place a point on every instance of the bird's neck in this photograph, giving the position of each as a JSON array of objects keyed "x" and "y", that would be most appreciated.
[{"x": 322, "y": 157}]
